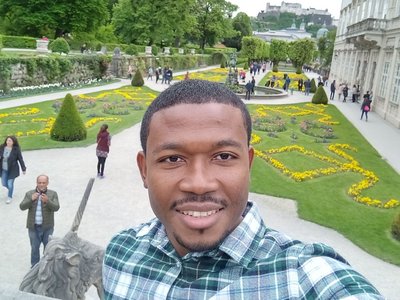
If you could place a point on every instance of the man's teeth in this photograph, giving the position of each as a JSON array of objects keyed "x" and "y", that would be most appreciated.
[{"x": 199, "y": 214}]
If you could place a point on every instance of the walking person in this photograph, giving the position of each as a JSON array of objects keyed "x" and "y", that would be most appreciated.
[
  {"x": 102, "y": 149},
  {"x": 10, "y": 161},
  {"x": 41, "y": 204},
  {"x": 307, "y": 87},
  {"x": 157, "y": 75},
  {"x": 365, "y": 107},
  {"x": 333, "y": 89},
  {"x": 253, "y": 84},
  {"x": 150, "y": 73},
  {"x": 345, "y": 92},
  {"x": 340, "y": 90},
  {"x": 248, "y": 87},
  {"x": 354, "y": 94}
]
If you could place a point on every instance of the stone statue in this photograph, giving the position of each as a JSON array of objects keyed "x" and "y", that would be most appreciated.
[{"x": 69, "y": 265}]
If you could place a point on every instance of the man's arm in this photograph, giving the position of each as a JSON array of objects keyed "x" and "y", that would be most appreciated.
[
  {"x": 27, "y": 202},
  {"x": 50, "y": 200}
]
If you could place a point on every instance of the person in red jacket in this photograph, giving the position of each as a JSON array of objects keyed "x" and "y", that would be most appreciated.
[{"x": 102, "y": 149}]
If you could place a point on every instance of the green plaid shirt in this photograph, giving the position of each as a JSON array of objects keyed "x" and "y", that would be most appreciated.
[{"x": 253, "y": 262}]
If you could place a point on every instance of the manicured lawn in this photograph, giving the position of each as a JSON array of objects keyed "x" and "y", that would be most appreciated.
[
  {"x": 324, "y": 198},
  {"x": 324, "y": 164},
  {"x": 119, "y": 108}
]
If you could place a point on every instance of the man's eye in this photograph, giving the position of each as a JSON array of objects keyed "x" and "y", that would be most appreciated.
[
  {"x": 173, "y": 159},
  {"x": 224, "y": 156}
]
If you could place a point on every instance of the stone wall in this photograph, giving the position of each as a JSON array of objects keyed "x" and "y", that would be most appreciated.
[{"x": 20, "y": 76}]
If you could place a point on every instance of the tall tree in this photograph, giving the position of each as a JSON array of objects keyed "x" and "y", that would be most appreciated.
[
  {"x": 278, "y": 51},
  {"x": 54, "y": 18},
  {"x": 254, "y": 48},
  {"x": 301, "y": 52},
  {"x": 242, "y": 25},
  {"x": 213, "y": 21},
  {"x": 153, "y": 22}
]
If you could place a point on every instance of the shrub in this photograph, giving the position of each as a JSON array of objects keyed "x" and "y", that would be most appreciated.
[
  {"x": 154, "y": 50},
  {"x": 137, "y": 79},
  {"x": 299, "y": 70},
  {"x": 320, "y": 96},
  {"x": 60, "y": 45},
  {"x": 21, "y": 42},
  {"x": 1, "y": 42},
  {"x": 131, "y": 50},
  {"x": 246, "y": 66},
  {"x": 68, "y": 126},
  {"x": 313, "y": 88},
  {"x": 396, "y": 227},
  {"x": 275, "y": 68},
  {"x": 223, "y": 64}
]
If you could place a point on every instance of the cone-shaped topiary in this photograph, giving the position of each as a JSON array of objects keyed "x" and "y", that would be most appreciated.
[
  {"x": 223, "y": 64},
  {"x": 320, "y": 96},
  {"x": 396, "y": 227},
  {"x": 60, "y": 45},
  {"x": 68, "y": 125},
  {"x": 313, "y": 88},
  {"x": 137, "y": 79}
]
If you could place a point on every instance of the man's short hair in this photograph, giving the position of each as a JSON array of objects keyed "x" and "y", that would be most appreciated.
[{"x": 193, "y": 92}]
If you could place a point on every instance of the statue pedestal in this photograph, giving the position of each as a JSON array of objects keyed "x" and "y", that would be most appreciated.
[{"x": 42, "y": 46}]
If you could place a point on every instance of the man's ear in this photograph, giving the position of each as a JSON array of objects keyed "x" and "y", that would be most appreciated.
[
  {"x": 251, "y": 156},
  {"x": 141, "y": 162}
]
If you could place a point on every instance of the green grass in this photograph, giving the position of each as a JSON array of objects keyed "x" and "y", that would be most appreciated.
[
  {"x": 26, "y": 128},
  {"x": 324, "y": 200}
]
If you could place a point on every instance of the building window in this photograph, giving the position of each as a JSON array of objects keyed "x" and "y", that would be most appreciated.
[
  {"x": 383, "y": 84},
  {"x": 396, "y": 86}
]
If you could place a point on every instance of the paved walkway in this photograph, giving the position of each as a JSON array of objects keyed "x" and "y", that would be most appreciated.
[{"x": 120, "y": 201}]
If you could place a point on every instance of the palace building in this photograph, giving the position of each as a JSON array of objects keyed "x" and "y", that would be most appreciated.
[{"x": 367, "y": 53}]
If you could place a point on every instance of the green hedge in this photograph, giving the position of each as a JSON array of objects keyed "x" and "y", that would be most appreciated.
[{"x": 22, "y": 42}]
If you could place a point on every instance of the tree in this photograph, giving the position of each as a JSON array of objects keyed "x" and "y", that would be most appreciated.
[
  {"x": 254, "y": 48},
  {"x": 278, "y": 51},
  {"x": 241, "y": 23},
  {"x": 53, "y": 18},
  {"x": 68, "y": 126},
  {"x": 213, "y": 21},
  {"x": 153, "y": 22},
  {"x": 301, "y": 52}
]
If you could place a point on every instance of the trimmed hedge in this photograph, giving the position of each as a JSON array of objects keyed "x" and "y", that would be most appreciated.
[
  {"x": 68, "y": 126},
  {"x": 313, "y": 88},
  {"x": 320, "y": 96},
  {"x": 22, "y": 42},
  {"x": 137, "y": 79},
  {"x": 396, "y": 227},
  {"x": 59, "y": 45}
]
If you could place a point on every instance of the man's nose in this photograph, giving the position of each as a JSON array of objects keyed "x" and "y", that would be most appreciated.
[{"x": 200, "y": 178}]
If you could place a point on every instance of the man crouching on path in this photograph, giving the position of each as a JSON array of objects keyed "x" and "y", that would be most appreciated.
[{"x": 208, "y": 240}]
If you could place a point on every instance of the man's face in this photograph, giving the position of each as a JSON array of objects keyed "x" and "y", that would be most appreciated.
[
  {"x": 197, "y": 170},
  {"x": 42, "y": 183}
]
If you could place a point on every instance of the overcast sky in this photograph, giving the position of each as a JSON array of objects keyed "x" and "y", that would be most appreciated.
[{"x": 253, "y": 7}]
